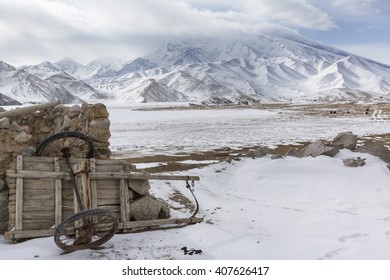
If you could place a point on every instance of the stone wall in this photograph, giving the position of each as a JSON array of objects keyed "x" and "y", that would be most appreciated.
[{"x": 22, "y": 134}]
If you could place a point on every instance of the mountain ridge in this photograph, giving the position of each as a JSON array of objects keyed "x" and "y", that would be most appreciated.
[{"x": 262, "y": 67}]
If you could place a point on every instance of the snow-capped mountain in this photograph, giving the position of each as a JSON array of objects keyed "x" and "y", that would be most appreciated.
[
  {"x": 23, "y": 87},
  {"x": 52, "y": 73},
  {"x": 246, "y": 69}
]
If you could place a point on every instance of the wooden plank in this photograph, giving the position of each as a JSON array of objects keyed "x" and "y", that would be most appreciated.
[
  {"x": 94, "y": 190},
  {"x": 160, "y": 222},
  {"x": 18, "y": 234},
  {"x": 58, "y": 194},
  {"x": 124, "y": 198},
  {"x": 19, "y": 195},
  {"x": 97, "y": 175},
  {"x": 37, "y": 174},
  {"x": 141, "y": 176},
  {"x": 109, "y": 201},
  {"x": 102, "y": 194}
]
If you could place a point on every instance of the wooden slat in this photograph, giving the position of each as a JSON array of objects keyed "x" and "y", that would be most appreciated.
[
  {"x": 124, "y": 200},
  {"x": 58, "y": 194},
  {"x": 96, "y": 176},
  {"x": 44, "y": 175},
  {"x": 94, "y": 190},
  {"x": 19, "y": 195},
  {"x": 150, "y": 223},
  {"x": 15, "y": 235}
]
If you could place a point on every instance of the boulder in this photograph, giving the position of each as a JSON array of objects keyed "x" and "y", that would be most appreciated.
[
  {"x": 4, "y": 123},
  {"x": 98, "y": 111},
  {"x": 22, "y": 138},
  {"x": 145, "y": 208},
  {"x": 74, "y": 111},
  {"x": 277, "y": 156},
  {"x": 14, "y": 126},
  {"x": 375, "y": 149},
  {"x": 165, "y": 210},
  {"x": 140, "y": 186},
  {"x": 99, "y": 130},
  {"x": 293, "y": 152},
  {"x": 354, "y": 162},
  {"x": 258, "y": 152},
  {"x": 319, "y": 148},
  {"x": 346, "y": 140}
]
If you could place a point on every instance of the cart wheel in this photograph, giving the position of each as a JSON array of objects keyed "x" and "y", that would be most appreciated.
[
  {"x": 87, "y": 229},
  {"x": 64, "y": 143}
]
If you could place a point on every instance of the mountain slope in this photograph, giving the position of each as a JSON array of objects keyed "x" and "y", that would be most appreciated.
[
  {"x": 26, "y": 88},
  {"x": 287, "y": 67}
]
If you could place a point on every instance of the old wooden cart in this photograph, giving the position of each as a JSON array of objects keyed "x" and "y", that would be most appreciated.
[{"x": 42, "y": 194}]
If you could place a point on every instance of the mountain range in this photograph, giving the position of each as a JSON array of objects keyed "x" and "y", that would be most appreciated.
[{"x": 248, "y": 69}]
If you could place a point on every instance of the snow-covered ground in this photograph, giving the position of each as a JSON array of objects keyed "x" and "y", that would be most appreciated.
[
  {"x": 309, "y": 208},
  {"x": 168, "y": 132}
]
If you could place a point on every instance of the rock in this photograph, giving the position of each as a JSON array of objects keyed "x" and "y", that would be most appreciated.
[
  {"x": 145, "y": 208},
  {"x": 2, "y": 185},
  {"x": 375, "y": 149},
  {"x": 74, "y": 111},
  {"x": 99, "y": 111},
  {"x": 22, "y": 138},
  {"x": 4, "y": 123},
  {"x": 277, "y": 156},
  {"x": 28, "y": 151},
  {"x": 293, "y": 152},
  {"x": 319, "y": 148},
  {"x": 99, "y": 130},
  {"x": 354, "y": 162},
  {"x": 140, "y": 186},
  {"x": 66, "y": 124},
  {"x": 14, "y": 126},
  {"x": 346, "y": 140},
  {"x": 258, "y": 153},
  {"x": 165, "y": 210}
]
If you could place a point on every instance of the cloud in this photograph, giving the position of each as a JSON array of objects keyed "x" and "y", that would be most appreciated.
[
  {"x": 36, "y": 30},
  {"x": 357, "y": 7}
]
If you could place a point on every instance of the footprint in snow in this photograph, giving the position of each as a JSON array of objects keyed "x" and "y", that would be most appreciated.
[
  {"x": 354, "y": 236},
  {"x": 331, "y": 255}
]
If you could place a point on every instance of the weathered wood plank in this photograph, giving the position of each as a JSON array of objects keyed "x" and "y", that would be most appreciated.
[
  {"x": 141, "y": 176},
  {"x": 101, "y": 194},
  {"x": 108, "y": 201},
  {"x": 15, "y": 235},
  {"x": 160, "y": 222},
  {"x": 97, "y": 175},
  {"x": 19, "y": 196},
  {"x": 43, "y": 175},
  {"x": 123, "y": 197},
  {"x": 94, "y": 190},
  {"x": 58, "y": 194}
]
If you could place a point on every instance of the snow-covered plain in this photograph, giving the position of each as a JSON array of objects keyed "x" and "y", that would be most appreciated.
[{"x": 310, "y": 208}]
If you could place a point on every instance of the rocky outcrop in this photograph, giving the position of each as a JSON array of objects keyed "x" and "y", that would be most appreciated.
[
  {"x": 375, "y": 149},
  {"x": 319, "y": 148},
  {"x": 346, "y": 140}
]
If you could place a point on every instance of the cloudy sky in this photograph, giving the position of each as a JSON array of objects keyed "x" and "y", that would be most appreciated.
[{"x": 32, "y": 31}]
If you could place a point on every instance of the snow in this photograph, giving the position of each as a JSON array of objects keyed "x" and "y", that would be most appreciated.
[
  {"x": 307, "y": 209},
  {"x": 172, "y": 131},
  {"x": 294, "y": 209}
]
